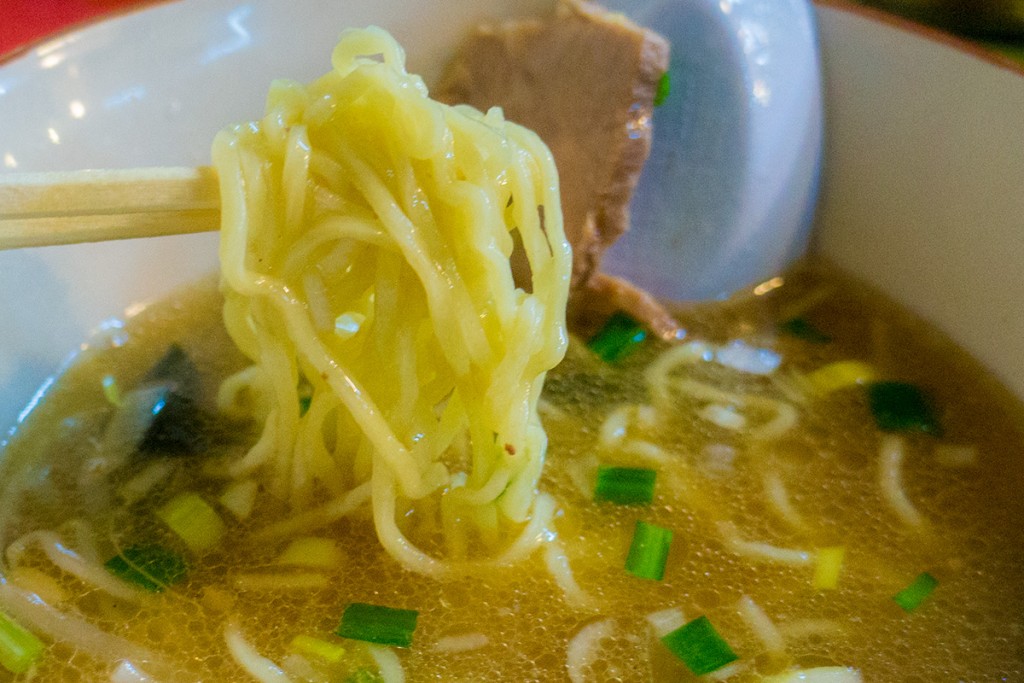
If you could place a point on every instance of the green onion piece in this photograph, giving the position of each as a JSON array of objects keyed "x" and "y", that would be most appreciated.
[
  {"x": 664, "y": 88},
  {"x": 619, "y": 337},
  {"x": 902, "y": 407},
  {"x": 150, "y": 566},
  {"x": 19, "y": 648},
  {"x": 625, "y": 485},
  {"x": 193, "y": 520},
  {"x": 305, "y": 390},
  {"x": 365, "y": 676},
  {"x": 378, "y": 624},
  {"x": 649, "y": 551},
  {"x": 840, "y": 375},
  {"x": 911, "y": 597},
  {"x": 828, "y": 564},
  {"x": 801, "y": 329},
  {"x": 329, "y": 652},
  {"x": 700, "y": 647},
  {"x": 310, "y": 551}
]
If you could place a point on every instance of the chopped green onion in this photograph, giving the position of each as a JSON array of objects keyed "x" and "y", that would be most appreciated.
[
  {"x": 19, "y": 647},
  {"x": 649, "y": 551},
  {"x": 625, "y": 485},
  {"x": 664, "y": 88},
  {"x": 150, "y": 566},
  {"x": 620, "y": 336},
  {"x": 324, "y": 650},
  {"x": 309, "y": 551},
  {"x": 801, "y": 329},
  {"x": 840, "y": 375},
  {"x": 700, "y": 647},
  {"x": 305, "y": 390},
  {"x": 193, "y": 520},
  {"x": 911, "y": 597},
  {"x": 902, "y": 407},
  {"x": 828, "y": 563},
  {"x": 378, "y": 624},
  {"x": 365, "y": 676}
]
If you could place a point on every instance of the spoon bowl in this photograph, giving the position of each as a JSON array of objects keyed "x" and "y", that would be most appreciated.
[{"x": 727, "y": 196}]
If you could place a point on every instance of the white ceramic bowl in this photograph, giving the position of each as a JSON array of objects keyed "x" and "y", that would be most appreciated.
[{"x": 921, "y": 194}]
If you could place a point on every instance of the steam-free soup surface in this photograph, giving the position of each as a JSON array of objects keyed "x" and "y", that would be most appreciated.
[{"x": 751, "y": 501}]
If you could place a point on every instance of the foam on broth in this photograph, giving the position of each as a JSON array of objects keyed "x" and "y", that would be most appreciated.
[{"x": 969, "y": 629}]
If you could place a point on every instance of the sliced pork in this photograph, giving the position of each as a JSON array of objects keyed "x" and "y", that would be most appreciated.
[{"x": 585, "y": 81}]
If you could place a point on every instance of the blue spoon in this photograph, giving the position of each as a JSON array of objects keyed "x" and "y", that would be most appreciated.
[{"x": 727, "y": 197}]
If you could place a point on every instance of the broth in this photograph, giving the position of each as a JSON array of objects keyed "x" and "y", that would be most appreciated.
[{"x": 714, "y": 491}]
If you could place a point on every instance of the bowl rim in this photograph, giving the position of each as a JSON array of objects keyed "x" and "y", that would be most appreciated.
[
  {"x": 932, "y": 33},
  {"x": 74, "y": 27},
  {"x": 875, "y": 14}
]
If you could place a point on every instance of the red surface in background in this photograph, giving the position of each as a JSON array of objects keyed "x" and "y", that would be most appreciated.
[{"x": 23, "y": 22}]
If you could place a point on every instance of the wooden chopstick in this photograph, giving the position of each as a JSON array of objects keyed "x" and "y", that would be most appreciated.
[{"x": 40, "y": 209}]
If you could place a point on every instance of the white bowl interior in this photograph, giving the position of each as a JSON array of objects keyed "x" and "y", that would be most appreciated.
[
  {"x": 922, "y": 188},
  {"x": 921, "y": 195}
]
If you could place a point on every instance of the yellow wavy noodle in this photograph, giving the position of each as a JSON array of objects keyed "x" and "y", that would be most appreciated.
[{"x": 366, "y": 244}]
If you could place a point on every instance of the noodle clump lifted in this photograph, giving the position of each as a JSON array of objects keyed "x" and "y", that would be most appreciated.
[{"x": 367, "y": 239}]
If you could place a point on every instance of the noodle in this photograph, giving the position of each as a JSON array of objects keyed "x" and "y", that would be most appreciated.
[
  {"x": 583, "y": 648},
  {"x": 280, "y": 582},
  {"x": 393, "y": 301},
  {"x": 390, "y": 666},
  {"x": 613, "y": 429},
  {"x": 255, "y": 664},
  {"x": 890, "y": 480},
  {"x": 126, "y": 672},
  {"x": 319, "y": 517},
  {"x": 74, "y": 564},
  {"x": 461, "y": 643},
  {"x": 558, "y": 565},
  {"x": 646, "y": 450},
  {"x": 665, "y": 386},
  {"x": 756, "y": 550},
  {"x": 136, "y": 488},
  {"x": 727, "y": 672},
  {"x": 779, "y": 500},
  {"x": 665, "y": 621},
  {"x": 70, "y": 629},
  {"x": 762, "y": 626}
]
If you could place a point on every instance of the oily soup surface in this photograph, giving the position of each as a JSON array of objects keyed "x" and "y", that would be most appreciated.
[{"x": 749, "y": 509}]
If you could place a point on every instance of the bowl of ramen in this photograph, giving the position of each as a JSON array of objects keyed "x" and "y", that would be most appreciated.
[{"x": 393, "y": 423}]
